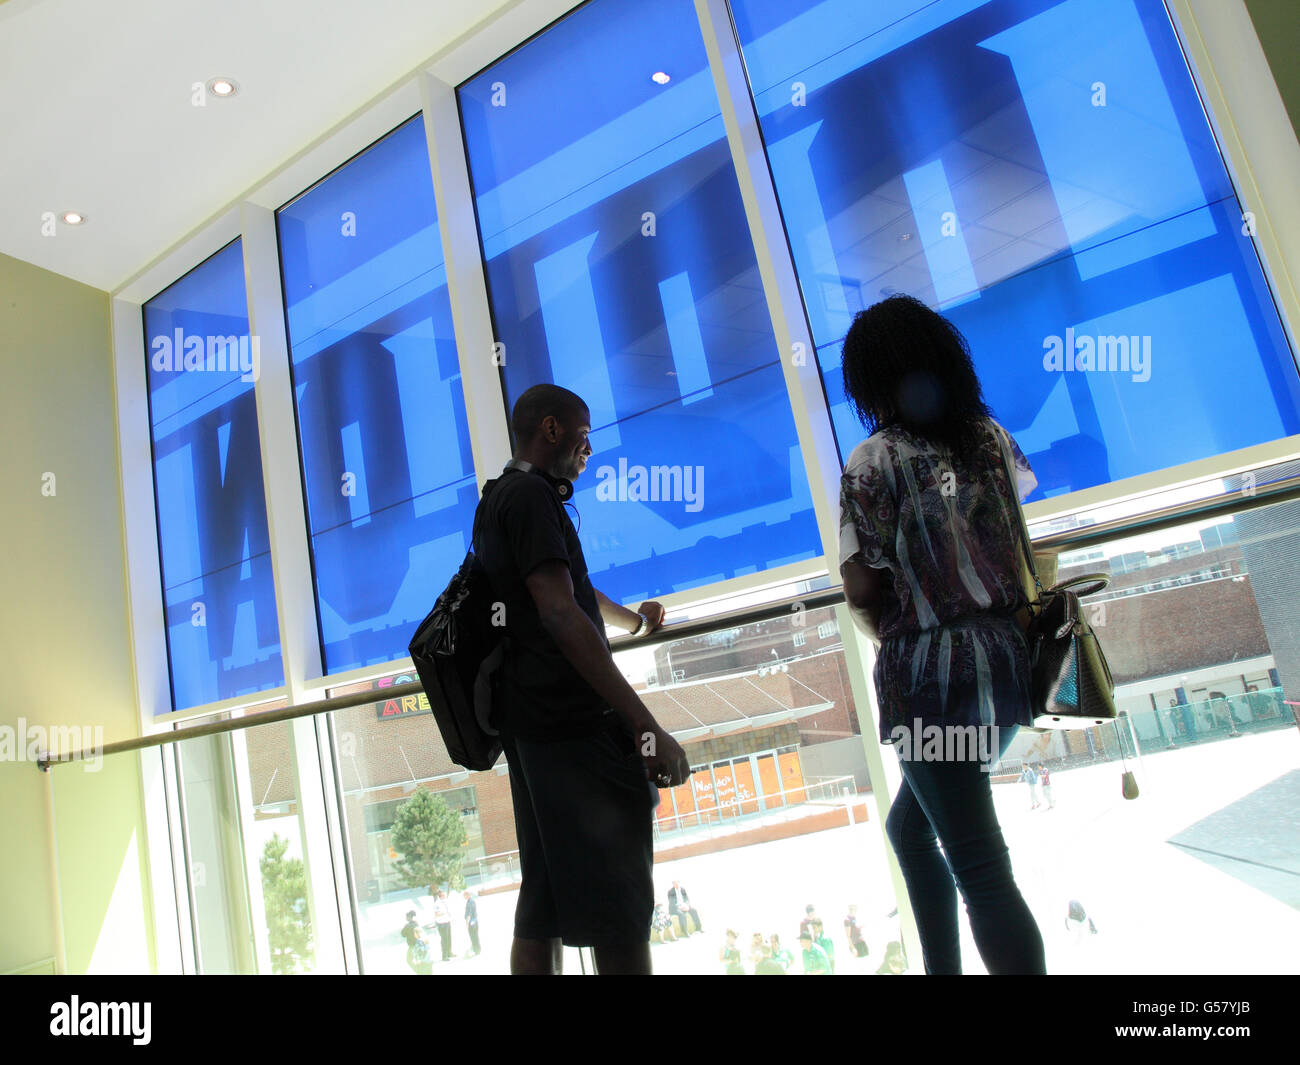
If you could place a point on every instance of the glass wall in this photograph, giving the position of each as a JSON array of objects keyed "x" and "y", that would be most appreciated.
[
  {"x": 244, "y": 848},
  {"x": 619, "y": 265},
  {"x": 1043, "y": 174},
  {"x": 214, "y": 550},
  {"x": 779, "y": 797},
  {"x": 1052, "y": 188},
  {"x": 416, "y": 825},
  {"x": 1198, "y": 626},
  {"x": 387, "y": 469}
]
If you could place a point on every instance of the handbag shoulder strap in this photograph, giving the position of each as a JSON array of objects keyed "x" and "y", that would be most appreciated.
[{"x": 1009, "y": 468}]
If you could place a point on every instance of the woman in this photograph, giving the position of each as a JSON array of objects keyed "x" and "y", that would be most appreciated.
[
  {"x": 662, "y": 923},
  {"x": 929, "y": 556}
]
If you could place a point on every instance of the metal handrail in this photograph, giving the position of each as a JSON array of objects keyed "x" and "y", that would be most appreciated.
[
  {"x": 1265, "y": 495},
  {"x": 1282, "y": 490},
  {"x": 676, "y": 631}
]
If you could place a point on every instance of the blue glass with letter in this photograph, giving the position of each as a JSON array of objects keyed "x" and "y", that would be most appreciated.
[
  {"x": 387, "y": 466},
  {"x": 620, "y": 266},
  {"x": 218, "y": 592},
  {"x": 1042, "y": 173}
]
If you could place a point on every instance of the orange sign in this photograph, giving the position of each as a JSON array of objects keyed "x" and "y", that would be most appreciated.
[
  {"x": 703, "y": 788},
  {"x": 683, "y": 801},
  {"x": 726, "y": 787},
  {"x": 770, "y": 780},
  {"x": 792, "y": 776}
]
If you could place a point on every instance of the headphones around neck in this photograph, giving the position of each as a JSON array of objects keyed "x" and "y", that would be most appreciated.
[{"x": 563, "y": 488}]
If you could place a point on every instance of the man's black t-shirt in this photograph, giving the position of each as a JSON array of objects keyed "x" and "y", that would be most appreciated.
[{"x": 520, "y": 524}]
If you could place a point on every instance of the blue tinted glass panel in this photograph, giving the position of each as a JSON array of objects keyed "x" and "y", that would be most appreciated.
[
  {"x": 218, "y": 593},
  {"x": 1043, "y": 174},
  {"x": 385, "y": 445},
  {"x": 620, "y": 266}
]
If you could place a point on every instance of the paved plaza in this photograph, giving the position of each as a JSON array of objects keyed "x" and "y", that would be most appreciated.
[{"x": 1200, "y": 874}]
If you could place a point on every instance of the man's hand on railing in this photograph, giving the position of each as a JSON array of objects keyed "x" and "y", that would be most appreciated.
[{"x": 653, "y": 613}]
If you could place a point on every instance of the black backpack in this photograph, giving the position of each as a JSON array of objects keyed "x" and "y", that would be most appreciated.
[{"x": 456, "y": 651}]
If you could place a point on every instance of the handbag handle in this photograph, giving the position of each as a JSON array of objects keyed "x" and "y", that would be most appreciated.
[
  {"x": 1084, "y": 585},
  {"x": 1092, "y": 582}
]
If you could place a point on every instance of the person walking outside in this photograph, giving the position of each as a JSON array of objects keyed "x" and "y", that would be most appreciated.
[
  {"x": 1045, "y": 782},
  {"x": 471, "y": 922},
  {"x": 1028, "y": 775},
  {"x": 929, "y": 552},
  {"x": 442, "y": 918}
]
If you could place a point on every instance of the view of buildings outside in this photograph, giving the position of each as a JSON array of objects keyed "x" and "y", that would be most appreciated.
[{"x": 767, "y": 716}]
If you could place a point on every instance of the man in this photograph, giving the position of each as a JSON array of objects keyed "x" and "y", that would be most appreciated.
[
  {"x": 471, "y": 922},
  {"x": 815, "y": 961},
  {"x": 1030, "y": 777},
  {"x": 442, "y": 918},
  {"x": 581, "y": 746},
  {"x": 679, "y": 906}
]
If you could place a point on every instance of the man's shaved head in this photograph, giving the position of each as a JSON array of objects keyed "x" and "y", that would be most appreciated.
[{"x": 539, "y": 403}]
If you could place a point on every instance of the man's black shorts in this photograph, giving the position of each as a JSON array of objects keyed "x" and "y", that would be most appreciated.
[{"x": 583, "y": 812}]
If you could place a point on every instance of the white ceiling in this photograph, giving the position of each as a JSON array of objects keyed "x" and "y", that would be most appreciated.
[{"x": 97, "y": 114}]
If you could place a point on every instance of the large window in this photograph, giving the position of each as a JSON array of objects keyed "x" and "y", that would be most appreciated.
[
  {"x": 389, "y": 477},
  {"x": 218, "y": 594},
  {"x": 1039, "y": 170},
  {"x": 1042, "y": 173},
  {"x": 619, "y": 265}
]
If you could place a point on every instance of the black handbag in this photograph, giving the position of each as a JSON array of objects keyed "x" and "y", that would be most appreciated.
[
  {"x": 456, "y": 651},
  {"x": 1070, "y": 682}
]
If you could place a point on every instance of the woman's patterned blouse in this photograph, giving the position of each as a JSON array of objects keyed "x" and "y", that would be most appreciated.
[{"x": 944, "y": 528}]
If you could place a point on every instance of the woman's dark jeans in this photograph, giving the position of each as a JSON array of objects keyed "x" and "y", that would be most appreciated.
[{"x": 953, "y": 801}]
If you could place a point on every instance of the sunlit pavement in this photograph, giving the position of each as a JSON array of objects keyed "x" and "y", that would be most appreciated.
[{"x": 1157, "y": 908}]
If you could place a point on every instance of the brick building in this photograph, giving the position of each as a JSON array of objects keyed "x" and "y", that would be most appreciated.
[{"x": 744, "y": 732}]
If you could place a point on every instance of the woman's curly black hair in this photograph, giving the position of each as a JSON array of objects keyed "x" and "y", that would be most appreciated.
[{"x": 907, "y": 365}]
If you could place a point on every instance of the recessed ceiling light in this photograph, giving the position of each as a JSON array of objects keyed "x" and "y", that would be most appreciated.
[
  {"x": 73, "y": 218},
  {"x": 905, "y": 236},
  {"x": 660, "y": 78},
  {"x": 222, "y": 87}
]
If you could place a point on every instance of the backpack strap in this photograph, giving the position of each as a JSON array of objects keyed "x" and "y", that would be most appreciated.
[{"x": 478, "y": 510}]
